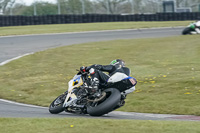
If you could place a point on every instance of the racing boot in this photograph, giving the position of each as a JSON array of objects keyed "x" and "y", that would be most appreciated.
[
  {"x": 94, "y": 85},
  {"x": 90, "y": 87}
]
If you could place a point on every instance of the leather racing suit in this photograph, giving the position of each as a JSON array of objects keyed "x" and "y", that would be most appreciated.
[
  {"x": 197, "y": 27},
  {"x": 97, "y": 74}
]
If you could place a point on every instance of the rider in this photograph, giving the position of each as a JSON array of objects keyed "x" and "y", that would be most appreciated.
[
  {"x": 197, "y": 28},
  {"x": 99, "y": 78}
]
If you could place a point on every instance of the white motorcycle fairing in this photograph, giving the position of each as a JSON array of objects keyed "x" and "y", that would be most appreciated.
[
  {"x": 121, "y": 76},
  {"x": 75, "y": 82}
]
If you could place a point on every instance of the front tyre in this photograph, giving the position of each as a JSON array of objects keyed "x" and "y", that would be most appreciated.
[
  {"x": 186, "y": 31},
  {"x": 57, "y": 105},
  {"x": 112, "y": 99}
]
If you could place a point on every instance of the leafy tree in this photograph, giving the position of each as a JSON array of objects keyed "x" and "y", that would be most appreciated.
[
  {"x": 111, "y": 6},
  {"x": 17, "y": 9},
  {"x": 76, "y": 6},
  {"x": 4, "y": 4},
  {"x": 43, "y": 8}
]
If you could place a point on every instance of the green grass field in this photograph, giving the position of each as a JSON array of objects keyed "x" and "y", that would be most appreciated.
[
  {"x": 167, "y": 70},
  {"x": 75, "y": 125},
  {"x": 60, "y": 28}
]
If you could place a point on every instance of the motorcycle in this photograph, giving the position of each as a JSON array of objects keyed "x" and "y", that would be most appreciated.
[
  {"x": 189, "y": 29},
  {"x": 108, "y": 97}
]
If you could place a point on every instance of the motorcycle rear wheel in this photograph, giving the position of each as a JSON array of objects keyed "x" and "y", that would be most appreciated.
[
  {"x": 57, "y": 105},
  {"x": 103, "y": 107}
]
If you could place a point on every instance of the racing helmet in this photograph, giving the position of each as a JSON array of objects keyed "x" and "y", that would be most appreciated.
[{"x": 118, "y": 62}]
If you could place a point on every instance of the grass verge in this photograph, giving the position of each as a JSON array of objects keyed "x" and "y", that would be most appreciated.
[
  {"x": 75, "y": 125},
  {"x": 167, "y": 70},
  {"x": 60, "y": 28}
]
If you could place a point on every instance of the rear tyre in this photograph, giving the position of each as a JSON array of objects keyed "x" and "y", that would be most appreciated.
[
  {"x": 112, "y": 99},
  {"x": 186, "y": 31},
  {"x": 57, "y": 105}
]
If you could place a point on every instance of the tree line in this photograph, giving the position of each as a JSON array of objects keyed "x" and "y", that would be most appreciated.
[{"x": 11, "y": 7}]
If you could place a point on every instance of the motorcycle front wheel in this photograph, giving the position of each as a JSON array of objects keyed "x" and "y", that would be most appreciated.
[
  {"x": 57, "y": 105},
  {"x": 186, "y": 31},
  {"x": 103, "y": 107}
]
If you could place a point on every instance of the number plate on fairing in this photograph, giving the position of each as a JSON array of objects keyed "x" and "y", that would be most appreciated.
[{"x": 132, "y": 81}]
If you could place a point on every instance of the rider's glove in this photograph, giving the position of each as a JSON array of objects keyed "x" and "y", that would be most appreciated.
[
  {"x": 98, "y": 67},
  {"x": 93, "y": 66}
]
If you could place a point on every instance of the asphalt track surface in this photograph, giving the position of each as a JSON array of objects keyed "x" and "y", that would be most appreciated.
[
  {"x": 13, "y": 46},
  {"x": 17, "y": 46}
]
